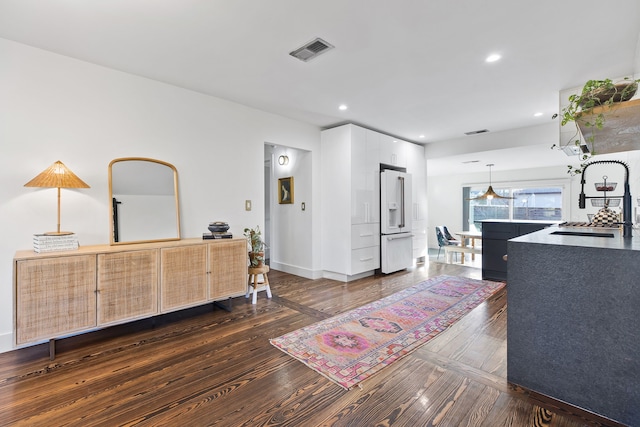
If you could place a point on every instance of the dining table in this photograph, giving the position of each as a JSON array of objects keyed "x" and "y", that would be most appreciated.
[{"x": 471, "y": 235}]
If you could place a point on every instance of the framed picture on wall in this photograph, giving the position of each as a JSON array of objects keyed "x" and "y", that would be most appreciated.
[{"x": 285, "y": 190}]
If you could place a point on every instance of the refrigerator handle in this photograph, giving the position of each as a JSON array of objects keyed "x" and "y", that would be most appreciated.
[{"x": 401, "y": 225}]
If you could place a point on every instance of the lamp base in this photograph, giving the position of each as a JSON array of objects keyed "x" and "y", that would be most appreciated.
[{"x": 58, "y": 233}]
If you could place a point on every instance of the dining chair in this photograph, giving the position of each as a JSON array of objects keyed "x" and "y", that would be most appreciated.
[
  {"x": 443, "y": 241},
  {"x": 448, "y": 235}
]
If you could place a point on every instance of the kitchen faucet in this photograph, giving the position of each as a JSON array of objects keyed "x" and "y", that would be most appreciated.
[{"x": 626, "y": 198}]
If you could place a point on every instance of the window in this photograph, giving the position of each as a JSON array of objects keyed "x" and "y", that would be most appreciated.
[{"x": 537, "y": 203}]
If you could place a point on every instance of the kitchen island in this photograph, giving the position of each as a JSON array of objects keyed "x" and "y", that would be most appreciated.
[
  {"x": 495, "y": 234},
  {"x": 574, "y": 318}
]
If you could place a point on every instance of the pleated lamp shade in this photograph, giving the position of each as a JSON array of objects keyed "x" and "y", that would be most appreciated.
[{"x": 57, "y": 176}]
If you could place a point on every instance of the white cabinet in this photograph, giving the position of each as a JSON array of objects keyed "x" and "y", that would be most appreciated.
[
  {"x": 416, "y": 166},
  {"x": 372, "y": 177},
  {"x": 350, "y": 202},
  {"x": 350, "y": 194},
  {"x": 364, "y": 235},
  {"x": 393, "y": 151},
  {"x": 360, "y": 202}
]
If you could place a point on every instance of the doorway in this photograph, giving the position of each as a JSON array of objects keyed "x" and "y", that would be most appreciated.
[{"x": 268, "y": 177}]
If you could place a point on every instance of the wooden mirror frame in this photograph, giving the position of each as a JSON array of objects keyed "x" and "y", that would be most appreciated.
[{"x": 113, "y": 202}]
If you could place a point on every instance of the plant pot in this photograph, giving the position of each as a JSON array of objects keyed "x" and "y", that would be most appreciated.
[
  {"x": 619, "y": 93},
  {"x": 256, "y": 259}
]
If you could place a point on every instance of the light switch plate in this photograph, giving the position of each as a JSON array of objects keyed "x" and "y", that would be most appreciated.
[{"x": 247, "y": 205}]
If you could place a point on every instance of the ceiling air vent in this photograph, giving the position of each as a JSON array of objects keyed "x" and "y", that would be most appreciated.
[
  {"x": 475, "y": 132},
  {"x": 311, "y": 50}
]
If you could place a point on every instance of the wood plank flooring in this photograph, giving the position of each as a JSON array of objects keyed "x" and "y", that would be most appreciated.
[{"x": 208, "y": 367}]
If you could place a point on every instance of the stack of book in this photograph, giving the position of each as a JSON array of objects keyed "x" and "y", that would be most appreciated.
[
  {"x": 217, "y": 235},
  {"x": 50, "y": 243}
]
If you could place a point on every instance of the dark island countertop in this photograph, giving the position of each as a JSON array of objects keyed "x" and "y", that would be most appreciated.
[{"x": 573, "y": 319}]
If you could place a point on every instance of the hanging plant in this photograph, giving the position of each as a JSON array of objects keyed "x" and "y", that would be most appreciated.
[{"x": 595, "y": 93}]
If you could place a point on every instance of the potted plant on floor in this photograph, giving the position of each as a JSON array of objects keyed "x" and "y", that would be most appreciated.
[
  {"x": 256, "y": 246},
  {"x": 595, "y": 93}
]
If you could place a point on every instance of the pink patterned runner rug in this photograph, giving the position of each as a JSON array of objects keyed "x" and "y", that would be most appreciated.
[{"x": 352, "y": 346}]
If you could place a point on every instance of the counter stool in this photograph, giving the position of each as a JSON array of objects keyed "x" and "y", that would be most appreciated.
[{"x": 253, "y": 282}]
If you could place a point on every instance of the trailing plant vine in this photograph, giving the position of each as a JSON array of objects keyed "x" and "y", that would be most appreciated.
[{"x": 595, "y": 93}]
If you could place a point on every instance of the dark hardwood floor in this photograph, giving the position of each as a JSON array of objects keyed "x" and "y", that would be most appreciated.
[{"x": 207, "y": 366}]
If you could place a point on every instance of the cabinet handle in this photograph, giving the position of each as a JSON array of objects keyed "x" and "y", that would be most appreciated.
[
  {"x": 366, "y": 259},
  {"x": 366, "y": 234},
  {"x": 402, "y": 213},
  {"x": 402, "y": 236}
]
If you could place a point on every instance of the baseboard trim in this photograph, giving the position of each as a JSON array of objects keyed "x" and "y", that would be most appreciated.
[
  {"x": 298, "y": 271},
  {"x": 6, "y": 342},
  {"x": 344, "y": 277}
]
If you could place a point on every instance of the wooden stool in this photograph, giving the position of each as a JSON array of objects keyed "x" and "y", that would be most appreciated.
[{"x": 253, "y": 282}]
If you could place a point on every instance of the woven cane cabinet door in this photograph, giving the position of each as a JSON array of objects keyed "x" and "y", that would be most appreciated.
[
  {"x": 55, "y": 296},
  {"x": 228, "y": 261},
  {"x": 127, "y": 285},
  {"x": 183, "y": 277}
]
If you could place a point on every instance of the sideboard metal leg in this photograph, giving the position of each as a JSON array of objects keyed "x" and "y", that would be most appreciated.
[
  {"x": 227, "y": 307},
  {"x": 52, "y": 349}
]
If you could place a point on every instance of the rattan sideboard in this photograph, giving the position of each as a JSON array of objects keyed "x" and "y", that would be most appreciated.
[{"x": 58, "y": 294}]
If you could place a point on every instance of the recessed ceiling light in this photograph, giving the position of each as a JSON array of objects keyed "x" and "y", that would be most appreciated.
[
  {"x": 493, "y": 57},
  {"x": 421, "y": 136},
  {"x": 342, "y": 107},
  {"x": 537, "y": 114}
]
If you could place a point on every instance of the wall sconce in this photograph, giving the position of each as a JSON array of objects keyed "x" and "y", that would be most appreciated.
[
  {"x": 57, "y": 176},
  {"x": 283, "y": 160}
]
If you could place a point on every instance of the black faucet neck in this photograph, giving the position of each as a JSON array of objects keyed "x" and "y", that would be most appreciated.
[{"x": 627, "y": 224}]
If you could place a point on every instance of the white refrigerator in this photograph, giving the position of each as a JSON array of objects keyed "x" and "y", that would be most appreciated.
[{"x": 396, "y": 243}]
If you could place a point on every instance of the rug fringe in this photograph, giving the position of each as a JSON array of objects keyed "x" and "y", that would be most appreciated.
[{"x": 307, "y": 365}]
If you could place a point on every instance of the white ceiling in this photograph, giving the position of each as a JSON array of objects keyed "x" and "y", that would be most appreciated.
[{"x": 404, "y": 67}]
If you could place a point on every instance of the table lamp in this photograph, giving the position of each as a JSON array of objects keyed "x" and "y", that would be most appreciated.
[{"x": 57, "y": 176}]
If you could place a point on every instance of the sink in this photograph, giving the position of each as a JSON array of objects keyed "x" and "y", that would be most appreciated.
[{"x": 582, "y": 233}]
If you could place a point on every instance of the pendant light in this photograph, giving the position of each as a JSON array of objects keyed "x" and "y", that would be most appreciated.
[{"x": 490, "y": 194}]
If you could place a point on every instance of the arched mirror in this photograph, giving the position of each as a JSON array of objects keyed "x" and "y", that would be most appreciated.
[{"x": 144, "y": 201}]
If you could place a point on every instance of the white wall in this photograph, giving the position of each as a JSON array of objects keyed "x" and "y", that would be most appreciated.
[{"x": 56, "y": 108}]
